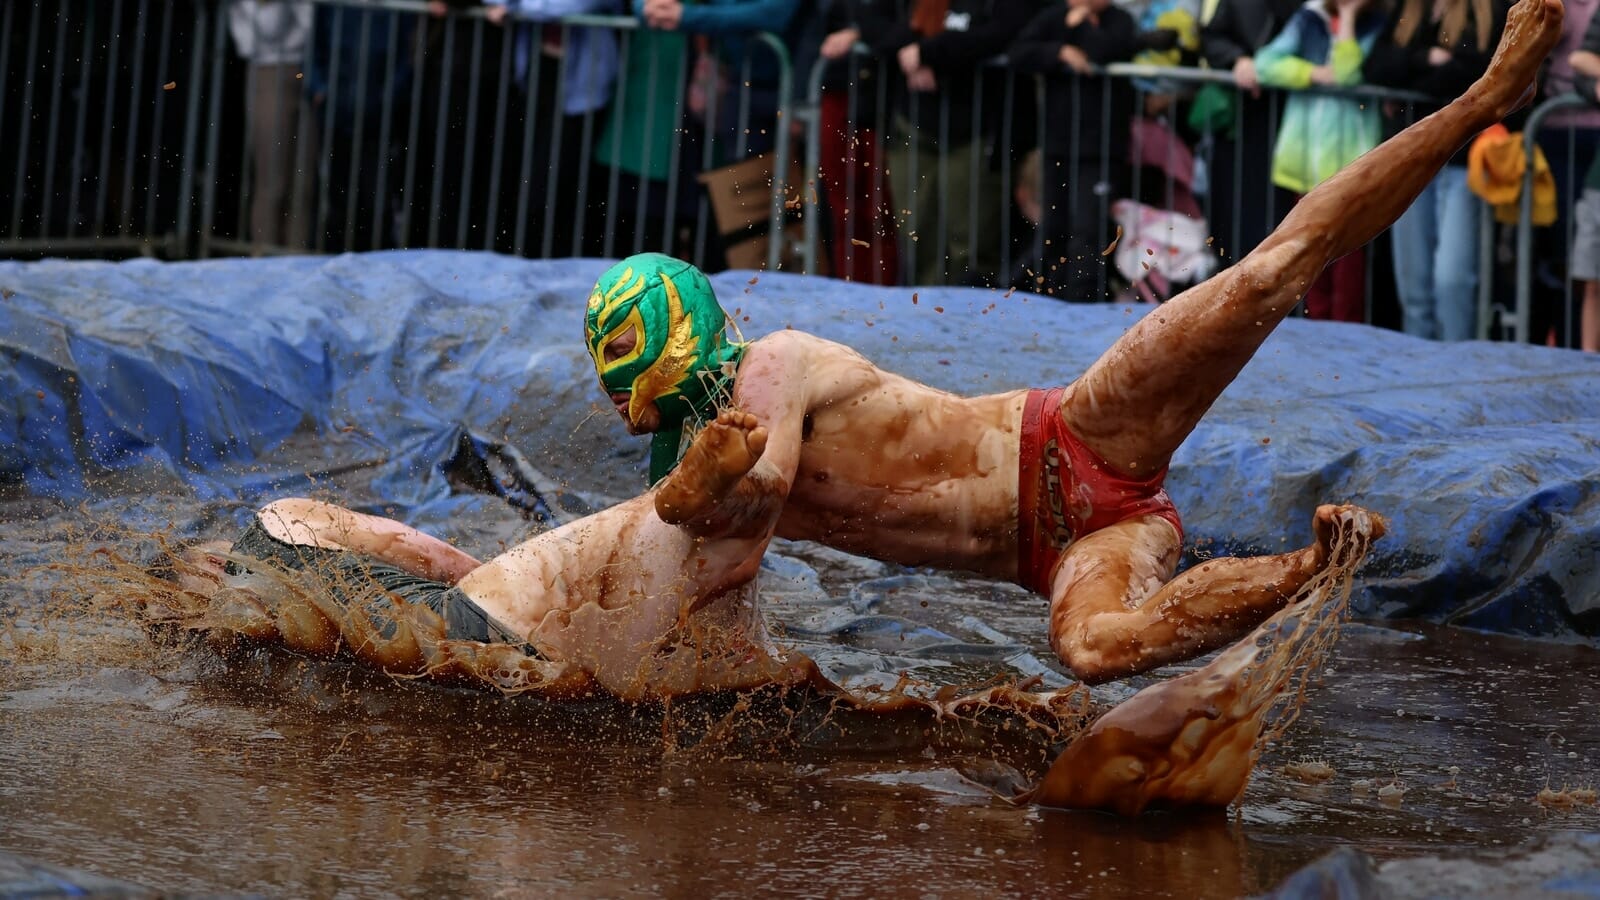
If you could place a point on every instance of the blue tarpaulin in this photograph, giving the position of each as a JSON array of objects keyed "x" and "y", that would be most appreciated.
[{"x": 241, "y": 380}]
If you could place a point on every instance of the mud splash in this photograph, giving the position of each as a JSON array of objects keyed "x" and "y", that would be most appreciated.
[
  {"x": 271, "y": 626},
  {"x": 1188, "y": 741},
  {"x": 1194, "y": 740}
]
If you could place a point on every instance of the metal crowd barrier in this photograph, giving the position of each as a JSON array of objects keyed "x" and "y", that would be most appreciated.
[
  {"x": 97, "y": 105},
  {"x": 1518, "y": 321},
  {"x": 1011, "y": 137},
  {"x": 139, "y": 129}
]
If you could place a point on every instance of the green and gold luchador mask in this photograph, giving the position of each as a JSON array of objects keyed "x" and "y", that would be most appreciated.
[{"x": 681, "y": 360}]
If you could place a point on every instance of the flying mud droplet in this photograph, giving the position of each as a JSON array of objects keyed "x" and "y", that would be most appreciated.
[
  {"x": 1115, "y": 240},
  {"x": 171, "y": 85}
]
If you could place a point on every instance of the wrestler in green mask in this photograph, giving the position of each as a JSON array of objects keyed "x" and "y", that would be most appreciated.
[{"x": 681, "y": 357}]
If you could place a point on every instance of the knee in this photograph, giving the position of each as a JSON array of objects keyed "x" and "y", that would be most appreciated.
[
  {"x": 291, "y": 509},
  {"x": 1094, "y": 654}
]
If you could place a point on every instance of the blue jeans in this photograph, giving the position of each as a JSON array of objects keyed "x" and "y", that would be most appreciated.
[{"x": 1436, "y": 259}]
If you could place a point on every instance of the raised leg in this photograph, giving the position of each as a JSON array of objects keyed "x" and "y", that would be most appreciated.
[
  {"x": 316, "y": 524},
  {"x": 1111, "y": 616},
  {"x": 1141, "y": 399}
]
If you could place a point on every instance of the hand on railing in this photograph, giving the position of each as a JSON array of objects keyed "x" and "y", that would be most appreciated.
[
  {"x": 665, "y": 15},
  {"x": 1244, "y": 75},
  {"x": 1076, "y": 60},
  {"x": 839, "y": 44}
]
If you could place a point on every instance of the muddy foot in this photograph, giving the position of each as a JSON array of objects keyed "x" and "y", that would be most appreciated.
[
  {"x": 1532, "y": 29},
  {"x": 1331, "y": 521},
  {"x": 721, "y": 454}
]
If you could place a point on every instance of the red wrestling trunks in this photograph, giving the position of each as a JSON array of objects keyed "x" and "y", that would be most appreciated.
[{"x": 1065, "y": 491}]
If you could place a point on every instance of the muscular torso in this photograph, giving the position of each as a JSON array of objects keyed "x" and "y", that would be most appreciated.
[{"x": 890, "y": 468}]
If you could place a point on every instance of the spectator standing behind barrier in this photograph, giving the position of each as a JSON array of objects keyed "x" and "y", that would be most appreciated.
[
  {"x": 1585, "y": 63},
  {"x": 1323, "y": 46},
  {"x": 1085, "y": 158},
  {"x": 1570, "y": 138},
  {"x": 865, "y": 243},
  {"x": 273, "y": 36},
  {"x": 939, "y": 47},
  {"x": 1439, "y": 50},
  {"x": 582, "y": 63},
  {"x": 647, "y": 120},
  {"x": 1241, "y": 213}
]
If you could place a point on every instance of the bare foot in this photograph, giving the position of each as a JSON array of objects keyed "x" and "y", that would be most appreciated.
[
  {"x": 1330, "y": 521},
  {"x": 1532, "y": 29},
  {"x": 721, "y": 454}
]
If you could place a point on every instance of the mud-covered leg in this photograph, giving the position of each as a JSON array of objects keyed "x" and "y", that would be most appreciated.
[
  {"x": 316, "y": 524},
  {"x": 1141, "y": 399},
  {"x": 1111, "y": 617}
]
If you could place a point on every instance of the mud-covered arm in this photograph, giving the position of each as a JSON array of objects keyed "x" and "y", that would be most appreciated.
[{"x": 769, "y": 409}]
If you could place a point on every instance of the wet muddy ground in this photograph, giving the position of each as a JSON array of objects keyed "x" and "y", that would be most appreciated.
[
  {"x": 177, "y": 775},
  {"x": 174, "y": 770}
]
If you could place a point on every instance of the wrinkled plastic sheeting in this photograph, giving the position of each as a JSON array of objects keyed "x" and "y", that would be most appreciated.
[
  {"x": 1562, "y": 865},
  {"x": 1485, "y": 457}
]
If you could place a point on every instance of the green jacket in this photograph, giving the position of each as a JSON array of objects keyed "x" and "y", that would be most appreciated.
[{"x": 1320, "y": 133}]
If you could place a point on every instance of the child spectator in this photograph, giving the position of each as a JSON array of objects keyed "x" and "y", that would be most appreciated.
[
  {"x": 1586, "y": 243},
  {"x": 1086, "y": 148},
  {"x": 1324, "y": 46},
  {"x": 1440, "y": 51},
  {"x": 865, "y": 245},
  {"x": 940, "y": 46}
]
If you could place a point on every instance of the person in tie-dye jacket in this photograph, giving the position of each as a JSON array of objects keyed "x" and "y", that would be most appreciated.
[{"x": 1322, "y": 47}]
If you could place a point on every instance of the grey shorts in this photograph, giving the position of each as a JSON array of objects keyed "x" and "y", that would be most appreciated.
[
  {"x": 351, "y": 577},
  {"x": 1585, "y": 256}
]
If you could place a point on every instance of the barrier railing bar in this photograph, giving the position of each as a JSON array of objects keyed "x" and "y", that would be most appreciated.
[
  {"x": 329, "y": 118},
  {"x": 613, "y": 179},
  {"x": 491, "y": 236},
  {"x": 942, "y": 208},
  {"x": 474, "y": 77},
  {"x": 530, "y": 129},
  {"x": 352, "y": 183},
  {"x": 385, "y": 124},
  {"x": 654, "y": 72},
  {"x": 208, "y": 195},
  {"x": 74, "y": 193},
  {"x": 5, "y": 59},
  {"x": 27, "y": 120},
  {"x": 552, "y": 180},
  {"x": 153, "y": 170},
  {"x": 585, "y": 155},
  {"x": 1522, "y": 318},
  {"x": 408, "y": 195},
  {"x": 106, "y": 120},
  {"x": 1008, "y": 187},
  {"x": 134, "y": 108},
  {"x": 58, "y": 65},
  {"x": 813, "y": 136},
  {"x": 191, "y": 133},
  {"x": 674, "y": 158},
  {"x": 441, "y": 133}
]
